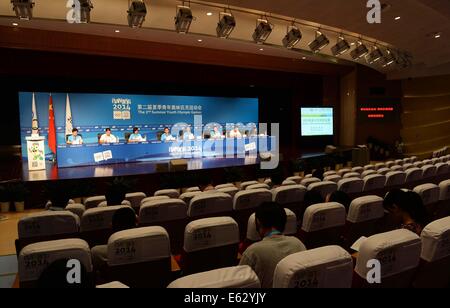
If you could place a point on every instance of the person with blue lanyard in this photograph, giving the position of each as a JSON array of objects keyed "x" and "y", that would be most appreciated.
[
  {"x": 215, "y": 134},
  {"x": 166, "y": 136},
  {"x": 74, "y": 138},
  {"x": 135, "y": 136},
  {"x": 187, "y": 134},
  {"x": 263, "y": 256}
]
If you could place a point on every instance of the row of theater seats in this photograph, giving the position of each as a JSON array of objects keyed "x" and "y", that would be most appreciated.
[
  {"x": 141, "y": 258},
  {"x": 316, "y": 225}
]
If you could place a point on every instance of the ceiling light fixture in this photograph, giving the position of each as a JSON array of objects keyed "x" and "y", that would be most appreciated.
[
  {"x": 292, "y": 37},
  {"x": 226, "y": 24},
  {"x": 341, "y": 47},
  {"x": 360, "y": 51},
  {"x": 319, "y": 42},
  {"x": 262, "y": 30},
  {"x": 136, "y": 13},
  {"x": 23, "y": 9},
  {"x": 183, "y": 19}
]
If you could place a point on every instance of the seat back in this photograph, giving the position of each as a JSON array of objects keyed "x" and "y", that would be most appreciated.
[
  {"x": 418, "y": 164},
  {"x": 220, "y": 186},
  {"x": 135, "y": 199},
  {"x": 140, "y": 257},
  {"x": 171, "y": 193},
  {"x": 288, "y": 182},
  {"x": 434, "y": 270},
  {"x": 351, "y": 175},
  {"x": 373, "y": 182},
  {"x": 407, "y": 166},
  {"x": 444, "y": 190},
  {"x": 363, "y": 217},
  {"x": 397, "y": 168},
  {"x": 76, "y": 208},
  {"x": 244, "y": 203},
  {"x": 413, "y": 175},
  {"x": 46, "y": 226},
  {"x": 35, "y": 258},
  {"x": 296, "y": 178},
  {"x": 428, "y": 192},
  {"x": 428, "y": 171},
  {"x": 343, "y": 171},
  {"x": 94, "y": 201},
  {"x": 247, "y": 183},
  {"x": 171, "y": 214},
  {"x": 351, "y": 185},
  {"x": 96, "y": 224},
  {"x": 192, "y": 189},
  {"x": 441, "y": 168},
  {"x": 332, "y": 178},
  {"x": 384, "y": 171},
  {"x": 389, "y": 164},
  {"x": 398, "y": 252},
  {"x": 328, "y": 173},
  {"x": 187, "y": 196},
  {"x": 153, "y": 198},
  {"x": 308, "y": 181},
  {"x": 379, "y": 166},
  {"x": 358, "y": 169},
  {"x": 323, "y": 224},
  {"x": 210, "y": 243},
  {"x": 324, "y": 188},
  {"x": 369, "y": 167},
  {"x": 229, "y": 277},
  {"x": 366, "y": 173},
  {"x": 290, "y": 197},
  {"x": 258, "y": 186},
  {"x": 289, "y": 229},
  {"x": 324, "y": 267},
  {"x": 399, "y": 162},
  {"x": 229, "y": 190},
  {"x": 395, "y": 178},
  {"x": 210, "y": 204}
]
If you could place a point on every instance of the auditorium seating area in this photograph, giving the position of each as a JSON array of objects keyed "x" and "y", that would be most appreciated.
[{"x": 189, "y": 238}]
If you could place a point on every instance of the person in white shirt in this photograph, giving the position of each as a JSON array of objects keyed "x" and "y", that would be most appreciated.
[
  {"x": 74, "y": 139},
  {"x": 263, "y": 256},
  {"x": 187, "y": 134},
  {"x": 107, "y": 137},
  {"x": 235, "y": 133}
]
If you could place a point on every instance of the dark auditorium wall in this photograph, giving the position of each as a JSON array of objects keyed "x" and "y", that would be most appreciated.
[
  {"x": 426, "y": 116},
  {"x": 281, "y": 93},
  {"x": 373, "y": 87}
]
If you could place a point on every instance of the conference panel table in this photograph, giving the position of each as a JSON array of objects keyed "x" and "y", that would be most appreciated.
[{"x": 103, "y": 154}]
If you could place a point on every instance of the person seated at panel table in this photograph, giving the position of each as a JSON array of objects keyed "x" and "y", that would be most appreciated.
[
  {"x": 187, "y": 134},
  {"x": 74, "y": 138},
  {"x": 215, "y": 133},
  {"x": 107, "y": 137},
  {"x": 253, "y": 133},
  {"x": 167, "y": 136},
  {"x": 135, "y": 136},
  {"x": 235, "y": 133}
]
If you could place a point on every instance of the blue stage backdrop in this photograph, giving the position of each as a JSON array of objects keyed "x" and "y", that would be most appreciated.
[{"x": 92, "y": 113}]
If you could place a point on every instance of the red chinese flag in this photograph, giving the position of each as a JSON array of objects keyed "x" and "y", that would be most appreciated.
[{"x": 51, "y": 126}]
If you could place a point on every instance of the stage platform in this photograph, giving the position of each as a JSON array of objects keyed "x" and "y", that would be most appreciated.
[{"x": 52, "y": 171}]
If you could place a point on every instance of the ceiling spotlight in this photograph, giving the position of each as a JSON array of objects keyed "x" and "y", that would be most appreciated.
[
  {"x": 319, "y": 43},
  {"x": 359, "y": 52},
  {"x": 85, "y": 11},
  {"x": 403, "y": 59},
  {"x": 303, "y": 58},
  {"x": 117, "y": 31},
  {"x": 397, "y": 18},
  {"x": 199, "y": 40},
  {"x": 293, "y": 36},
  {"x": 226, "y": 24},
  {"x": 262, "y": 30},
  {"x": 388, "y": 58},
  {"x": 209, "y": 14},
  {"x": 183, "y": 19},
  {"x": 437, "y": 35},
  {"x": 15, "y": 24},
  {"x": 136, "y": 13},
  {"x": 374, "y": 56},
  {"x": 341, "y": 47},
  {"x": 23, "y": 9}
]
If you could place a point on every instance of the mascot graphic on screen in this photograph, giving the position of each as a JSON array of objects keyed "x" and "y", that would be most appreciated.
[{"x": 37, "y": 154}]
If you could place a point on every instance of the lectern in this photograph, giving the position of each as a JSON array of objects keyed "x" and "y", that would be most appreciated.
[{"x": 36, "y": 153}]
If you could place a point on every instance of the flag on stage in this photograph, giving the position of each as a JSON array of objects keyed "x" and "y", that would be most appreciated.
[
  {"x": 69, "y": 125},
  {"x": 34, "y": 119},
  {"x": 51, "y": 126}
]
